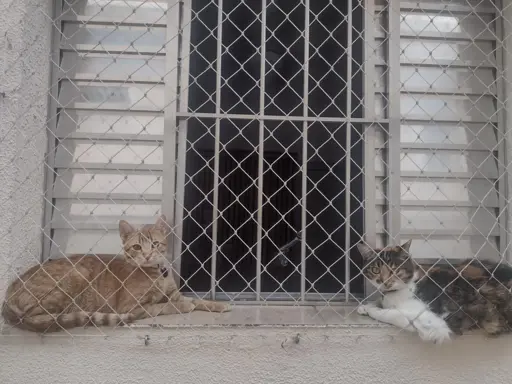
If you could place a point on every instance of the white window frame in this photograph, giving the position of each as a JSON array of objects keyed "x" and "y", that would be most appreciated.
[{"x": 175, "y": 133}]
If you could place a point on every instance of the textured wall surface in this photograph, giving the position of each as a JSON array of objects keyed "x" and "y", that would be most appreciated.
[
  {"x": 348, "y": 356},
  {"x": 25, "y": 46}
]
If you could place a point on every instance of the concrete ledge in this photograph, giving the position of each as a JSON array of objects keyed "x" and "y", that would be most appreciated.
[{"x": 240, "y": 316}]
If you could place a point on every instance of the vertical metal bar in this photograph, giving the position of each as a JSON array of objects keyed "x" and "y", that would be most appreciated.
[
  {"x": 506, "y": 15},
  {"x": 51, "y": 130},
  {"x": 369, "y": 134},
  {"x": 393, "y": 148},
  {"x": 179, "y": 197},
  {"x": 501, "y": 135},
  {"x": 217, "y": 151},
  {"x": 304, "y": 157},
  {"x": 348, "y": 151},
  {"x": 171, "y": 95},
  {"x": 261, "y": 151}
]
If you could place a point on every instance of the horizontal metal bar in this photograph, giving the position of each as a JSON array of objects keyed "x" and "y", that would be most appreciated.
[
  {"x": 438, "y": 204},
  {"x": 110, "y": 22},
  {"x": 120, "y": 80},
  {"x": 442, "y": 92},
  {"x": 438, "y": 121},
  {"x": 117, "y": 166},
  {"x": 118, "y": 112},
  {"x": 447, "y": 121},
  {"x": 128, "y": 172},
  {"x": 119, "y": 137},
  {"x": 112, "y": 50},
  {"x": 441, "y": 175},
  {"x": 424, "y": 262},
  {"x": 441, "y": 179},
  {"x": 438, "y": 36},
  {"x": 90, "y": 108},
  {"x": 86, "y": 140},
  {"x": 427, "y": 233},
  {"x": 439, "y": 7},
  {"x": 113, "y": 111},
  {"x": 119, "y": 198},
  {"x": 381, "y": 90},
  {"x": 440, "y": 147},
  {"x": 280, "y": 298},
  {"x": 188, "y": 115},
  {"x": 102, "y": 196},
  {"x": 448, "y": 64}
]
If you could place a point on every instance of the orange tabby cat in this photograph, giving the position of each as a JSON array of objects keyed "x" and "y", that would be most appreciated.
[{"x": 101, "y": 290}]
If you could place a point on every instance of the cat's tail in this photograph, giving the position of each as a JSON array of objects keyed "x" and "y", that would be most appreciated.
[{"x": 52, "y": 323}]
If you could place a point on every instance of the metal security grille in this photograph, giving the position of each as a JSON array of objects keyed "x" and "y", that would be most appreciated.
[
  {"x": 275, "y": 135},
  {"x": 258, "y": 80}
]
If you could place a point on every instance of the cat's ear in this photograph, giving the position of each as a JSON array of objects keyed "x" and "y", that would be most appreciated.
[
  {"x": 125, "y": 230},
  {"x": 366, "y": 251},
  {"x": 406, "y": 246},
  {"x": 161, "y": 224}
]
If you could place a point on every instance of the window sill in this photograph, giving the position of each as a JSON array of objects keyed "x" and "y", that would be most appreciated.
[
  {"x": 240, "y": 316},
  {"x": 252, "y": 315}
]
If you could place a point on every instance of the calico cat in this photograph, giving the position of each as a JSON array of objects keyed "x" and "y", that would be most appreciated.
[
  {"x": 101, "y": 290},
  {"x": 442, "y": 301}
]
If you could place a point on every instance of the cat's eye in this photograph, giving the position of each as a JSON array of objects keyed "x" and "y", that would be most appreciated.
[
  {"x": 136, "y": 247},
  {"x": 375, "y": 270},
  {"x": 155, "y": 244}
]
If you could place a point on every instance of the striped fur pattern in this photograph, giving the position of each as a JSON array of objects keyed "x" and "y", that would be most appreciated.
[{"x": 101, "y": 290}]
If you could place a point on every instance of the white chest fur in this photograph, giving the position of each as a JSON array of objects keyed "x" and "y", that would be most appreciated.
[
  {"x": 402, "y": 309},
  {"x": 404, "y": 299}
]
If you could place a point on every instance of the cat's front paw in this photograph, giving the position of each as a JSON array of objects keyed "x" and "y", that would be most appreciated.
[
  {"x": 363, "y": 309},
  {"x": 438, "y": 335},
  {"x": 442, "y": 336}
]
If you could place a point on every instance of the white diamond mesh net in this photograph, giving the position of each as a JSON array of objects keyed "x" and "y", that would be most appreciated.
[{"x": 275, "y": 135}]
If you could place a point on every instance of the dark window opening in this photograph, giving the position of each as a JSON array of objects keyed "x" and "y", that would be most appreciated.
[{"x": 283, "y": 147}]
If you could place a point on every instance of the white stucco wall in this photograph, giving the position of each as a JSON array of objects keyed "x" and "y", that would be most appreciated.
[
  {"x": 198, "y": 355},
  {"x": 24, "y": 60},
  {"x": 255, "y": 355}
]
